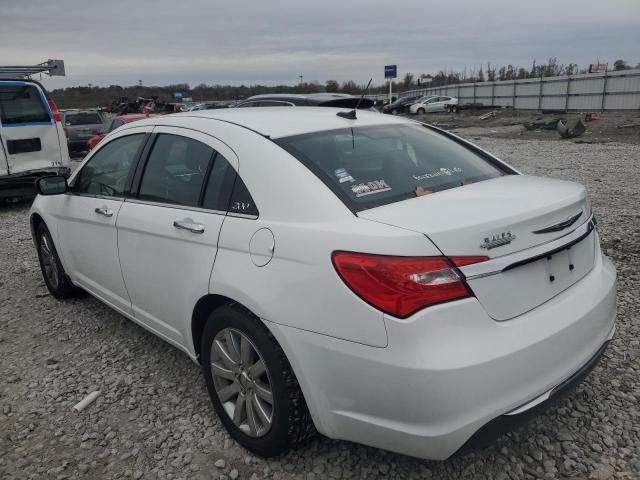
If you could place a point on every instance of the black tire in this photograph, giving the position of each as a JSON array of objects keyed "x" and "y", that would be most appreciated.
[
  {"x": 53, "y": 272},
  {"x": 394, "y": 112},
  {"x": 291, "y": 423},
  {"x": 421, "y": 111},
  {"x": 453, "y": 109}
]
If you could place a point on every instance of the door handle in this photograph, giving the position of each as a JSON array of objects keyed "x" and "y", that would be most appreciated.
[
  {"x": 189, "y": 226},
  {"x": 107, "y": 212}
]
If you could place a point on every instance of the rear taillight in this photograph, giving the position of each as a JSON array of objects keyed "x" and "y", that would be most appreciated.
[
  {"x": 400, "y": 286},
  {"x": 54, "y": 111}
]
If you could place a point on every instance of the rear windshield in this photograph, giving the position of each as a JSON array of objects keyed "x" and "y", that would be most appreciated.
[
  {"x": 82, "y": 118},
  {"x": 372, "y": 166},
  {"x": 21, "y": 104}
]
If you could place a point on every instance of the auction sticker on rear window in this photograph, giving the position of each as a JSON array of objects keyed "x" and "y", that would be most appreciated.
[
  {"x": 342, "y": 175},
  {"x": 367, "y": 188}
]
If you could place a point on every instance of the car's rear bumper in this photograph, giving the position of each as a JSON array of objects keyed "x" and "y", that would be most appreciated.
[
  {"x": 23, "y": 184},
  {"x": 451, "y": 369},
  {"x": 519, "y": 416},
  {"x": 78, "y": 144}
]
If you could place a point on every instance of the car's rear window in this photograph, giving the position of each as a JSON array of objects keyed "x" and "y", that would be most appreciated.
[
  {"x": 82, "y": 118},
  {"x": 22, "y": 104},
  {"x": 372, "y": 166}
]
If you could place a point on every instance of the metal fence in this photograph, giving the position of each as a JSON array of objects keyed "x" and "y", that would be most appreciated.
[{"x": 618, "y": 90}]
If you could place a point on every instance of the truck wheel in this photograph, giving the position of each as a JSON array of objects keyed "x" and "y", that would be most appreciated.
[{"x": 251, "y": 384}]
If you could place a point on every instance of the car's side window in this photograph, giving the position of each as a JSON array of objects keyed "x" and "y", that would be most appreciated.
[
  {"x": 241, "y": 201},
  {"x": 107, "y": 171},
  {"x": 247, "y": 104},
  {"x": 221, "y": 177},
  {"x": 176, "y": 170}
]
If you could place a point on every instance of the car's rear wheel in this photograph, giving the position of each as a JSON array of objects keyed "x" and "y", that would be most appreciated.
[
  {"x": 453, "y": 109},
  {"x": 53, "y": 272},
  {"x": 421, "y": 111},
  {"x": 251, "y": 384}
]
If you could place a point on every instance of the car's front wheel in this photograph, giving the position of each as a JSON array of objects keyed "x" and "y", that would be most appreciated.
[
  {"x": 52, "y": 270},
  {"x": 394, "y": 112},
  {"x": 251, "y": 384},
  {"x": 421, "y": 111}
]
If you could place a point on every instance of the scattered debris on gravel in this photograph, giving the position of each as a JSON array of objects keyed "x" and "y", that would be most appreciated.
[
  {"x": 153, "y": 418},
  {"x": 604, "y": 127}
]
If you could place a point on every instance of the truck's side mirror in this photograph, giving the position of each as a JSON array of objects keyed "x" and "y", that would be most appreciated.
[{"x": 54, "y": 185}]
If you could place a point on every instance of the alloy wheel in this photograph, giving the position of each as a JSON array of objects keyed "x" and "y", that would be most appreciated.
[
  {"x": 49, "y": 262},
  {"x": 241, "y": 381}
]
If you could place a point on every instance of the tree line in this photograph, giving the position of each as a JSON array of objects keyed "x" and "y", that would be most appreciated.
[{"x": 92, "y": 96}]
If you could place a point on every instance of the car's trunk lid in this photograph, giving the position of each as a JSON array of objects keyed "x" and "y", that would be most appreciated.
[{"x": 497, "y": 218}]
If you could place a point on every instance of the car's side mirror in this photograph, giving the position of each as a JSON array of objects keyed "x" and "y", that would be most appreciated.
[{"x": 54, "y": 185}]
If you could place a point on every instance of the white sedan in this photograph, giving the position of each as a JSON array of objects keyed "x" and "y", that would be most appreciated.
[
  {"x": 366, "y": 276},
  {"x": 432, "y": 104}
]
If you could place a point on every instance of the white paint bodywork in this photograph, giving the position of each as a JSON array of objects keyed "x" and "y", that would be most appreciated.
[{"x": 420, "y": 386}]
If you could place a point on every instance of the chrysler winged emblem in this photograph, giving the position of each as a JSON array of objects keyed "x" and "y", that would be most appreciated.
[{"x": 499, "y": 240}]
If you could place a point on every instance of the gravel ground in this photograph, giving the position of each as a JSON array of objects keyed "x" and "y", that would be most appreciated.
[{"x": 154, "y": 420}]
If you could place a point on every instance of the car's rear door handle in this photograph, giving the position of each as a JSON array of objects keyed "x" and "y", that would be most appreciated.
[
  {"x": 107, "y": 212},
  {"x": 189, "y": 226}
]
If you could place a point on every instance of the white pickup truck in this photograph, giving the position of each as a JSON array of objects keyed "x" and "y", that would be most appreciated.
[{"x": 32, "y": 139}]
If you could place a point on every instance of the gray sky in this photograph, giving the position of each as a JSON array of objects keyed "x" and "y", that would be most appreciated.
[{"x": 252, "y": 41}]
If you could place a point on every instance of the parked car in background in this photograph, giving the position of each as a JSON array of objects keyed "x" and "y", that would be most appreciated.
[
  {"x": 115, "y": 122},
  {"x": 382, "y": 280},
  {"x": 401, "y": 105},
  {"x": 80, "y": 126},
  {"x": 32, "y": 141},
  {"x": 212, "y": 105},
  {"x": 338, "y": 100},
  {"x": 433, "y": 104}
]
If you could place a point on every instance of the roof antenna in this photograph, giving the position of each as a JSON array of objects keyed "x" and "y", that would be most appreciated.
[{"x": 351, "y": 115}]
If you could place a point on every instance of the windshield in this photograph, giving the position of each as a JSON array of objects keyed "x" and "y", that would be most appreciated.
[{"x": 372, "y": 166}]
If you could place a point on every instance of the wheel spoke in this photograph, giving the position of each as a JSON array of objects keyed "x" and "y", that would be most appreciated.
[
  {"x": 257, "y": 369},
  {"x": 251, "y": 416},
  {"x": 245, "y": 351},
  {"x": 264, "y": 392},
  {"x": 261, "y": 412},
  {"x": 232, "y": 348},
  {"x": 239, "y": 408},
  {"x": 220, "y": 371},
  {"x": 226, "y": 393},
  {"x": 225, "y": 356}
]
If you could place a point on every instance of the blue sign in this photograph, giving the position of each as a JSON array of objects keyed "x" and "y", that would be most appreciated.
[
  {"x": 178, "y": 95},
  {"x": 390, "y": 71}
]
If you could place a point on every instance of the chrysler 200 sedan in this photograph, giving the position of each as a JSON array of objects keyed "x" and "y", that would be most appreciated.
[{"x": 369, "y": 277}]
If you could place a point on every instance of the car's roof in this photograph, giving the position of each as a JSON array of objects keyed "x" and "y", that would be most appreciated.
[{"x": 276, "y": 122}]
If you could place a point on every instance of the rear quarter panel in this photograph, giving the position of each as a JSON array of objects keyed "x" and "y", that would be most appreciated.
[{"x": 299, "y": 287}]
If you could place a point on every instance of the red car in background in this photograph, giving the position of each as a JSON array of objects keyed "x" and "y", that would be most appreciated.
[{"x": 114, "y": 123}]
